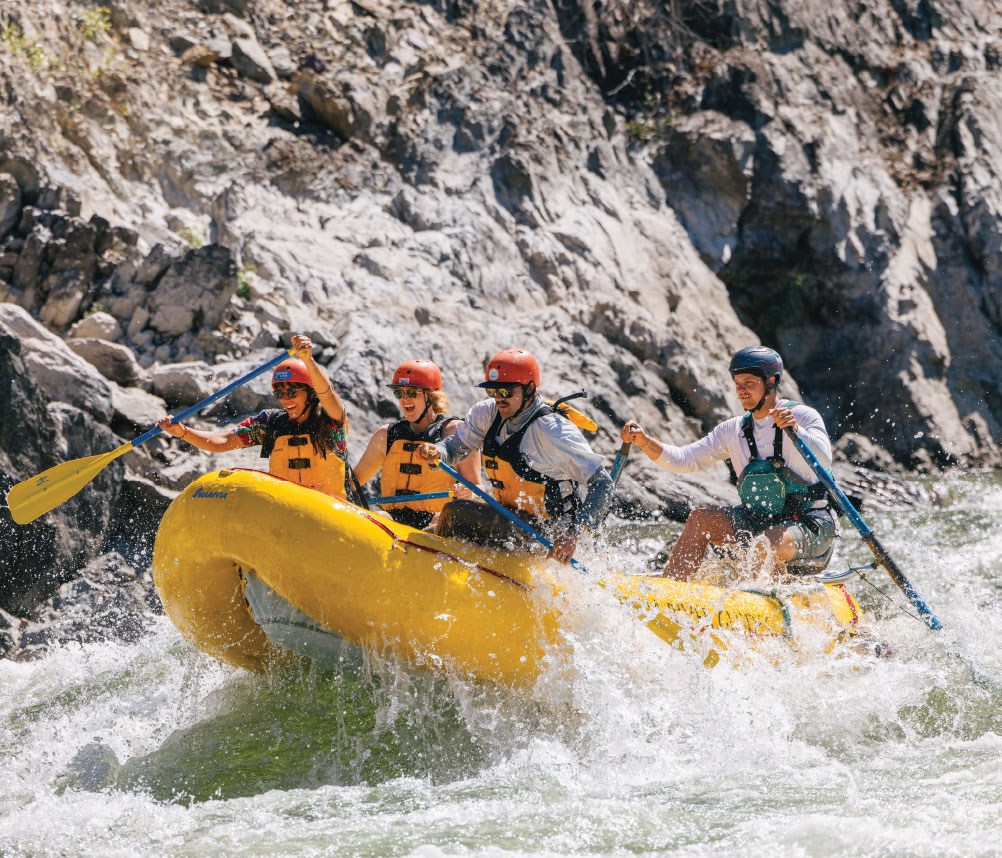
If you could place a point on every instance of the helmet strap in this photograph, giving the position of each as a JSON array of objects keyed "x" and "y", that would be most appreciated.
[
  {"x": 770, "y": 386},
  {"x": 427, "y": 405},
  {"x": 312, "y": 400},
  {"x": 528, "y": 395}
]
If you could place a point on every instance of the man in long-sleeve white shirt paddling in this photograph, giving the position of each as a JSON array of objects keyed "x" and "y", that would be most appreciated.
[
  {"x": 780, "y": 495},
  {"x": 538, "y": 462}
]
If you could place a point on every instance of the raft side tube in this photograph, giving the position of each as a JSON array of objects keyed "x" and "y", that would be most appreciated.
[
  {"x": 364, "y": 578},
  {"x": 200, "y": 585},
  {"x": 436, "y": 601}
]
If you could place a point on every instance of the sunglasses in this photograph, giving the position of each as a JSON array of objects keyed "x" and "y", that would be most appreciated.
[
  {"x": 406, "y": 392},
  {"x": 503, "y": 392},
  {"x": 287, "y": 391}
]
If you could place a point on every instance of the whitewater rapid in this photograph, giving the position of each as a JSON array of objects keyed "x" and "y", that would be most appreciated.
[{"x": 153, "y": 749}]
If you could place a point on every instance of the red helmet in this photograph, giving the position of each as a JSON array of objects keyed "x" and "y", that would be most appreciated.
[
  {"x": 417, "y": 373},
  {"x": 292, "y": 370},
  {"x": 512, "y": 366}
]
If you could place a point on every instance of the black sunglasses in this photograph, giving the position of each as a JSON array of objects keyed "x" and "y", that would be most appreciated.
[{"x": 287, "y": 391}]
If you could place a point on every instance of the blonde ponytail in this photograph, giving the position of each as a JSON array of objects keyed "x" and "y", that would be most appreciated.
[{"x": 438, "y": 401}]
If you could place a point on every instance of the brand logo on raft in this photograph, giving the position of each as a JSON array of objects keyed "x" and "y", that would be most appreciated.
[{"x": 200, "y": 494}]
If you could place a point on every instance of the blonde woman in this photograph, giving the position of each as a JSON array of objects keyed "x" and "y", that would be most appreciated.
[{"x": 417, "y": 385}]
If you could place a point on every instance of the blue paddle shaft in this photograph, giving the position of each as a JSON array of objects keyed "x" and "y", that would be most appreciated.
[
  {"x": 507, "y": 513},
  {"x": 881, "y": 555},
  {"x": 620, "y": 463},
  {"x": 198, "y": 406},
  {"x": 409, "y": 498}
]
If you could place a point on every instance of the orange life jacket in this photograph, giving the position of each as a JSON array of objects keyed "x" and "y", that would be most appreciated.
[
  {"x": 404, "y": 474},
  {"x": 292, "y": 456},
  {"x": 517, "y": 485}
]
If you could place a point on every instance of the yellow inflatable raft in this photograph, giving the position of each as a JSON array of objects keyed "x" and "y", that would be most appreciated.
[{"x": 248, "y": 565}]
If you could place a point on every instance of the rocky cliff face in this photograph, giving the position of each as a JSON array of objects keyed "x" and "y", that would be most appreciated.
[{"x": 632, "y": 192}]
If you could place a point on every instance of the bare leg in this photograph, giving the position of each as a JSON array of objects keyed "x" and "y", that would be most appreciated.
[
  {"x": 784, "y": 549},
  {"x": 701, "y": 528},
  {"x": 769, "y": 554},
  {"x": 782, "y": 543}
]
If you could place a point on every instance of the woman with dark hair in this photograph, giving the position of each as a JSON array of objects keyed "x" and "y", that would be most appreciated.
[{"x": 304, "y": 440}]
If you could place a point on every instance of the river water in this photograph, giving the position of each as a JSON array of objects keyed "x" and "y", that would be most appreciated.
[{"x": 152, "y": 749}]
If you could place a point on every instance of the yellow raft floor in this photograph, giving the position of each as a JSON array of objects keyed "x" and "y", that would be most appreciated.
[{"x": 431, "y": 600}]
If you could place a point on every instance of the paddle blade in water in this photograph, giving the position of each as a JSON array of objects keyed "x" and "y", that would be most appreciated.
[{"x": 36, "y": 496}]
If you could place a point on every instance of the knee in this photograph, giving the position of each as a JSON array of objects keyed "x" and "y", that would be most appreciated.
[
  {"x": 709, "y": 522},
  {"x": 783, "y": 544},
  {"x": 703, "y": 515},
  {"x": 699, "y": 519}
]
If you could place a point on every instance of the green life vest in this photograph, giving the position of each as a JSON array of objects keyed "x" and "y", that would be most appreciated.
[{"x": 768, "y": 486}]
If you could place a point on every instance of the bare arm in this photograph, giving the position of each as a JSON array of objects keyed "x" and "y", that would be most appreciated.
[
  {"x": 211, "y": 442},
  {"x": 330, "y": 401},
  {"x": 471, "y": 466},
  {"x": 700, "y": 454},
  {"x": 373, "y": 457}
]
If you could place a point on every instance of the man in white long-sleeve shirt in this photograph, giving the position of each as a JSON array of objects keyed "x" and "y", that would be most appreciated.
[{"x": 780, "y": 494}]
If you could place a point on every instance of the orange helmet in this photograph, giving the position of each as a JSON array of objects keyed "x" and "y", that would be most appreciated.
[
  {"x": 417, "y": 373},
  {"x": 512, "y": 366},
  {"x": 292, "y": 370}
]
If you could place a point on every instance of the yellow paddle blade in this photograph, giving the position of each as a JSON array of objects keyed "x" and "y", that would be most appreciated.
[
  {"x": 578, "y": 418},
  {"x": 36, "y": 496}
]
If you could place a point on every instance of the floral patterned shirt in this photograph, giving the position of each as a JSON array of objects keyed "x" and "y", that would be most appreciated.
[{"x": 254, "y": 430}]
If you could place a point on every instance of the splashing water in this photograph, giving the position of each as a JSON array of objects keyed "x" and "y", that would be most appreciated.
[{"x": 628, "y": 748}]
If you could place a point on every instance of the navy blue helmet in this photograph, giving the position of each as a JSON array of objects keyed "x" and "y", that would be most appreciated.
[{"x": 760, "y": 361}]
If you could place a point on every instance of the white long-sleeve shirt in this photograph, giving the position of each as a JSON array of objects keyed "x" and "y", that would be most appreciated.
[
  {"x": 552, "y": 445},
  {"x": 727, "y": 441}
]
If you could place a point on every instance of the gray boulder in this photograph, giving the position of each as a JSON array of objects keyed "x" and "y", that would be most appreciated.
[
  {"x": 181, "y": 383},
  {"x": 102, "y": 326},
  {"x": 34, "y": 436},
  {"x": 10, "y": 203},
  {"x": 135, "y": 408},
  {"x": 194, "y": 292},
  {"x": 706, "y": 167},
  {"x": 862, "y": 452},
  {"x": 251, "y": 61},
  {"x": 113, "y": 360},
  {"x": 70, "y": 283},
  {"x": 108, "y": 600},
  {"x": 54, "y": 368}
]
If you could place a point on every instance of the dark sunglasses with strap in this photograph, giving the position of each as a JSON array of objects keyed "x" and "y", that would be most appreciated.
[{"x": 287, "y": 391}]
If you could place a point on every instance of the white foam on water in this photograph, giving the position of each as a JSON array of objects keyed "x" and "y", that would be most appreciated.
[{"x": 624, "y": 747}]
